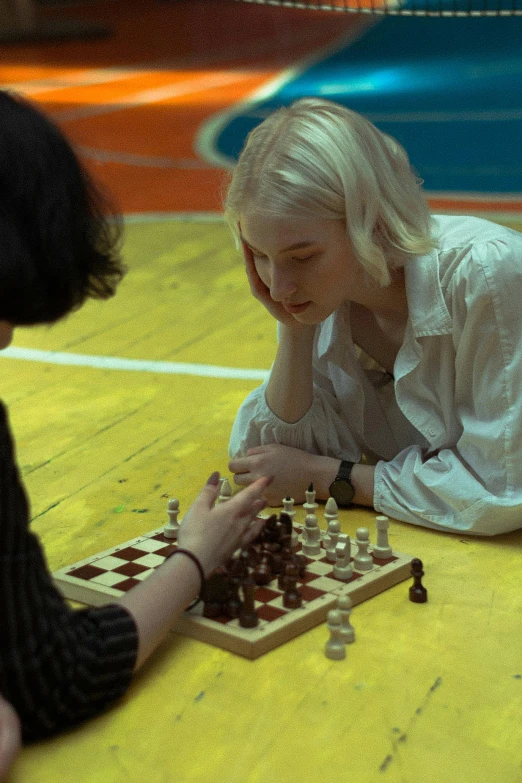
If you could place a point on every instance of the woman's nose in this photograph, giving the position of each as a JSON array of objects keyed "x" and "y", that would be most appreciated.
[{"x": 282, "y": 286}]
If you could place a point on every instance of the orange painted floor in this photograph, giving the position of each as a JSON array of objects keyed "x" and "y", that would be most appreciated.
[{"x": 134, "y": 102}]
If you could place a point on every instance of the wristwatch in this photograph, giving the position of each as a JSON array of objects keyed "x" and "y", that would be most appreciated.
[{"x": 341, "y": 488}]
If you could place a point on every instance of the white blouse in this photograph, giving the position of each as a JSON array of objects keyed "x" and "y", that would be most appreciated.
[{"x": 446, "y": 434}]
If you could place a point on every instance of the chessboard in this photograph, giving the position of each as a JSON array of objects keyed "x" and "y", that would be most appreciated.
[{"x": 101, "y": 578}]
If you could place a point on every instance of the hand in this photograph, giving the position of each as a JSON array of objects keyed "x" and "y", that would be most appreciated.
[
  {"x": 261, "y": 292},
  {"x": 293, "y": 471},
  {"x": 213, "y": 533},
  {"x": 10, "y": 736}
]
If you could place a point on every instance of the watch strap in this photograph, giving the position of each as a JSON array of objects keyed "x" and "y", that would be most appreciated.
[{"x": 345, "y": 470}]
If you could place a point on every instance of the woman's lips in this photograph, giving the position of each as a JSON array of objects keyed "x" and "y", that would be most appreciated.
[{"x": 298, "y": 308}]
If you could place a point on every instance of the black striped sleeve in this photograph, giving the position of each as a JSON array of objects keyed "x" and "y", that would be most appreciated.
[{"x": 58, "y": 666}]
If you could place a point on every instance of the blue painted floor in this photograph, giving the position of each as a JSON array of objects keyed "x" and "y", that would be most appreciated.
[{"x": 449, "y": 89}]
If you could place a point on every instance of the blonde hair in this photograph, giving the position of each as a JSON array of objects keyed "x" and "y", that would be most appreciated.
[{"x": 318, "y": 159}]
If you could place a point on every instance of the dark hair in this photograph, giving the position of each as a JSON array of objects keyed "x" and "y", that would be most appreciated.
[{"x": 59, "y": 239}]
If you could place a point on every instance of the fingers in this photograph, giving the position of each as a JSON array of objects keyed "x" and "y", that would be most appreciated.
[
  {"x": 208, "y": 495},
  {"x": 250, "y": 497},
  {"x": 252, "y": 532},
  {"x": 256, "y": 450},
  {"x": 243, "y": 479},
  {"x": 239, "y": 465},
  {"x": 241, "y": 470}
]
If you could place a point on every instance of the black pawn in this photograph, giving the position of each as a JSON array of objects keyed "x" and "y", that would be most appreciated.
[
  {"x": 292, "y": 598},
  {"x": 418, "y": 593},
  {"x": 248, "y": 616}
]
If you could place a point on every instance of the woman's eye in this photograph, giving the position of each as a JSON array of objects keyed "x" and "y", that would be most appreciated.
[{"x": 304, "y": 258}]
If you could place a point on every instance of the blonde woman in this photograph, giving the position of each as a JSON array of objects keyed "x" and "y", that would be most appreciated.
[{"x": 396, "y": 382}]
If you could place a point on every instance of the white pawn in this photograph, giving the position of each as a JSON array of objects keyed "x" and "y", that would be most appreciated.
[
  {"x": 344, "y": 605},
  {"x": 171, "y": 528},
  {"x": 334, "y": 647},
  {"x": 363, "y": 560},
  {"x": 382, "y": 550},
  {"x": 311, "y": 536},
  {"x": 310, "y": 505},
  {"x": 332, "y": 539},
  {"x": 343, "y": 568},
  {"x": 288, "y": 508},
  {"x": 225, "y": 491}
]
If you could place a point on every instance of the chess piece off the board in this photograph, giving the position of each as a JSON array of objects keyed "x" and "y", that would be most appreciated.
[
  {"x": 335, "y": 647},
  {"x": 418, "y": 593}
]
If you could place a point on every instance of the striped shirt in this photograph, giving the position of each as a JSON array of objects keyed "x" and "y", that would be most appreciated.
[{"x": 58, "y": 666}]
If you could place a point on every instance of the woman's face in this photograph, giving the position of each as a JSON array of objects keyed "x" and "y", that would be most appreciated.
[
  {"x": 307, "y": 265},
  {"x": 6, "y": 334}
]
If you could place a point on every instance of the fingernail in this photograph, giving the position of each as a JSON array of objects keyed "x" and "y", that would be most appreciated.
[
  {"x": 214, "y": 478},
  {"x": 269, "y": 480}
]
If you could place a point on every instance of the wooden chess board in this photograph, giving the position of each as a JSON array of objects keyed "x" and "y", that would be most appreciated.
[{"x": 107, "y": 575}]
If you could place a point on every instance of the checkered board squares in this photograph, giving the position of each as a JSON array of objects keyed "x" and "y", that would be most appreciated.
[
  {"x": 111, "y": 573},
  {"x": 108, "y": 575}
]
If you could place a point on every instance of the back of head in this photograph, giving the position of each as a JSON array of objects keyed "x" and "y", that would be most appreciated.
[
  {"x": 57, "y": 246},
  {"x": 318, "y": 159}
]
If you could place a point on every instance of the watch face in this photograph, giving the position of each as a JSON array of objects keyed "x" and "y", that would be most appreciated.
[{"x": 342, "y": 492}]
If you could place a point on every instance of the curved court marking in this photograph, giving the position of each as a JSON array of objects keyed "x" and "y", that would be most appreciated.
[
  {"x": 205, "y": 139},
  {"x": 133, "y": 365}
]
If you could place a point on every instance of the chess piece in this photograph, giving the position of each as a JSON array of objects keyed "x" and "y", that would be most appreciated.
[
  {"x": 292, "y": 598},
  {"x": 310, "y": 505},
  {"x": 234, "y": 603},
  {"x": 171, "y": 528},
  {"x": 311, "y": 536},
  {"x": 301, "y": 563},
  {"x": 417, "y": 592},
  {"x": 288, "y": 505},
  {"x": 263, "y": 571},
  {"x": 363, "y": 560},
  {"x": 225, "y": 491},
  {"x": 343, "y": 568},
  {"x": 331, "y": 510},
  {"x": 216, "y": 594},
  {"x": 276, "y": 558},
  {"x": 344, "y": 606},
  {"x": 248, "y": 616},
  {"x": 332, "y": 538},
  {"x": 334, "y": 647},
  {"x": 382, "y": 549}
]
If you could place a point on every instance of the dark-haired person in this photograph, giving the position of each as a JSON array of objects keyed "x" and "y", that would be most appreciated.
[
  {"x": 59, "y": 666},
  {"x": 342, "y": 250}
]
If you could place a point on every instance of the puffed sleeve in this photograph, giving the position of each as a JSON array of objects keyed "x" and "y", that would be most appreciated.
[
  {"x": 320, "y": 431},
  {"x": 472, "y": 481},
  {"x": 323, "y": 429}
]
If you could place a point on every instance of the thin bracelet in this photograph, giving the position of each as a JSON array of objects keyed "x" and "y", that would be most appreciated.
[{"x": 195, "y": 560}]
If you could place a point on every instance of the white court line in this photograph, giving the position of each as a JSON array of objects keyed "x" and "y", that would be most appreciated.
[{"x": 133, "y": 365}]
